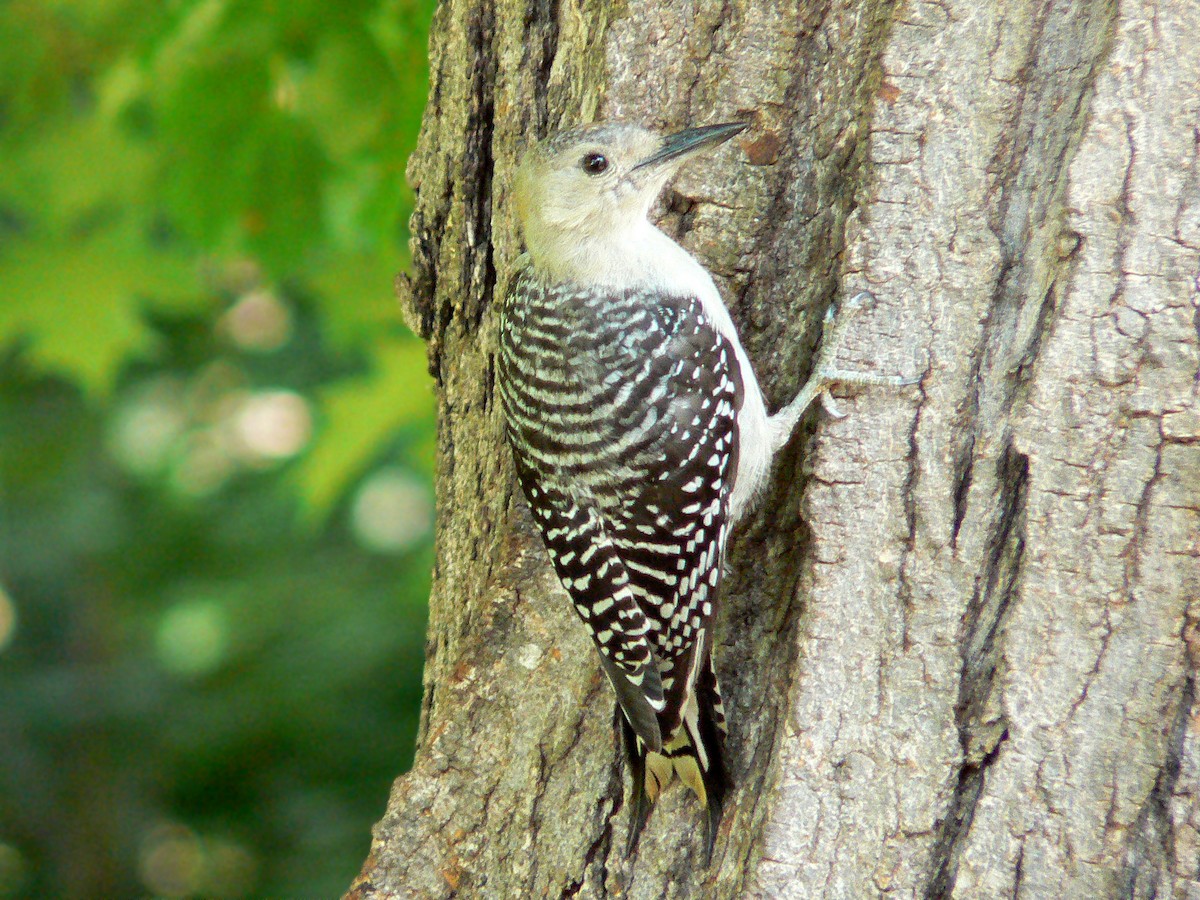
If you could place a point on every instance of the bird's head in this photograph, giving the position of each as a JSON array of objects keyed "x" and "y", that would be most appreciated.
[{"x": 580, "y": 187}]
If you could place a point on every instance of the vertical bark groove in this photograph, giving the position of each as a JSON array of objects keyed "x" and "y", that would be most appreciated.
[
  {"x": 479, "y": 270},
  {"x": 982, "y": 726},
  {"x": 1151, "y": 851}
]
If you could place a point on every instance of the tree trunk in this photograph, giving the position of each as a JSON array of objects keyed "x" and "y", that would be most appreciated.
[{"x": 960, "y": 637}]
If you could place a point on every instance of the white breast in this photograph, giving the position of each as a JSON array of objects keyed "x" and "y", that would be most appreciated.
[{"x": 668, "y": 266}]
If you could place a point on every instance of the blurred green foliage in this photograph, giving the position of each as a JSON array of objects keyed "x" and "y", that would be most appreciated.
[{"x": 216, "y": 442}]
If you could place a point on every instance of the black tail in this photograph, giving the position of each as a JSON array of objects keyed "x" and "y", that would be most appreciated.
[
  {"x": 711, "y": 722},
  {"x": 635, "y": 753},
  {"x": 690, "y": 754}
]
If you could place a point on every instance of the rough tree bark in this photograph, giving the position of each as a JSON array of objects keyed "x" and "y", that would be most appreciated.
[{"x": 960, "y": 638}]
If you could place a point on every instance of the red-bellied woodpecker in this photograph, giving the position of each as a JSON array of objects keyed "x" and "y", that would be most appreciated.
[{"x": 639, "y": 431}]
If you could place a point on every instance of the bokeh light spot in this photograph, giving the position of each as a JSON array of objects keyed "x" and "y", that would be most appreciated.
[
  {"x": 258, "y": 321},
  {"x": 391, "y": 511},
  {"x": 273, "y": 425},
  {"x": 192, "y": 637},
  {"x": 175, "y": 861},
  {"x": 171, "y": 861},
  {"x": 231, "y": 869},
  {"x": 8, "y": 620},
  {"x": 203, "y": 466},
  {"x": 147, "y": 426}
]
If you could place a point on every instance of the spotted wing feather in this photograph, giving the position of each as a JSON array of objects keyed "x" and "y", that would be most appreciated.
[
  {"x": 671, "y": 531},
  {"x": 590, "y": 569},
  {"x": 621, "y": 409}
]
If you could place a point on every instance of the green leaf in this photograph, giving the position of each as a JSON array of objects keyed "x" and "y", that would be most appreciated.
[
  {"x": 78, "y": 302},
  {"x": 356, "y": 295}
]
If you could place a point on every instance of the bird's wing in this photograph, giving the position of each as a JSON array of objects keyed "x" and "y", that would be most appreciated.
[
  {"x": 670, "y": 530},
  {"x": 591, "y": 570},
  {"x": 622, "y": 413}
]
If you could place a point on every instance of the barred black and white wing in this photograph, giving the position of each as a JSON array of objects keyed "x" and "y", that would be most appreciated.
[
  {"x": 621, "y": 409},
  {"x": 591, "y": 570}
]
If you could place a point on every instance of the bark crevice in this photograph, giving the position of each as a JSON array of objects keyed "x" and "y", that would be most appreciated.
[
  {"x": 479, "y": 269},
  {"x": 982, "y": 726},
  {"x": 543, "y": 26},
  {"x": 1150, "y": 855}
]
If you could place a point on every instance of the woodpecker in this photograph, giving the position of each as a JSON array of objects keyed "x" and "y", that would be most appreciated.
[{"x": 639, "y": 432}]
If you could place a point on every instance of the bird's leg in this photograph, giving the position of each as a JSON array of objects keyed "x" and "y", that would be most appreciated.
[{"x": 825, "y": 374}]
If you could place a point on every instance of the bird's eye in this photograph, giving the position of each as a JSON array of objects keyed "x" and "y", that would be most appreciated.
[{"x": 594, "y": 163}]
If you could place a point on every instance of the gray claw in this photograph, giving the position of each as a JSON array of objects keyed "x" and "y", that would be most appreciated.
[{"x": 830, "y": 405}]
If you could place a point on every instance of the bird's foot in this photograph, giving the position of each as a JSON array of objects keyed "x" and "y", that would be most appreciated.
[{"x": 825, "y": 374}]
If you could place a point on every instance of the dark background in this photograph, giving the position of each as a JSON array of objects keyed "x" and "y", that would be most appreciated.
[{"x": 216, "y": 443}]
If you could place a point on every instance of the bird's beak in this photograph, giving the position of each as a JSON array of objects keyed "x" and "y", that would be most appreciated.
[{"x": 682, "y": 144}]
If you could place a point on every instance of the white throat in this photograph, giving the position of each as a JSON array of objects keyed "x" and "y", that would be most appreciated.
[{"x": 630, "y": 255}]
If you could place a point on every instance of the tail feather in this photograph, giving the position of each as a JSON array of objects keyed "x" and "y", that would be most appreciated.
[
  {"x": 711, "y": 734},
  {"x": 641, "y": 803},
  {"x": 695, "y": 753},
  {"x": 641, "y": 712}
]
